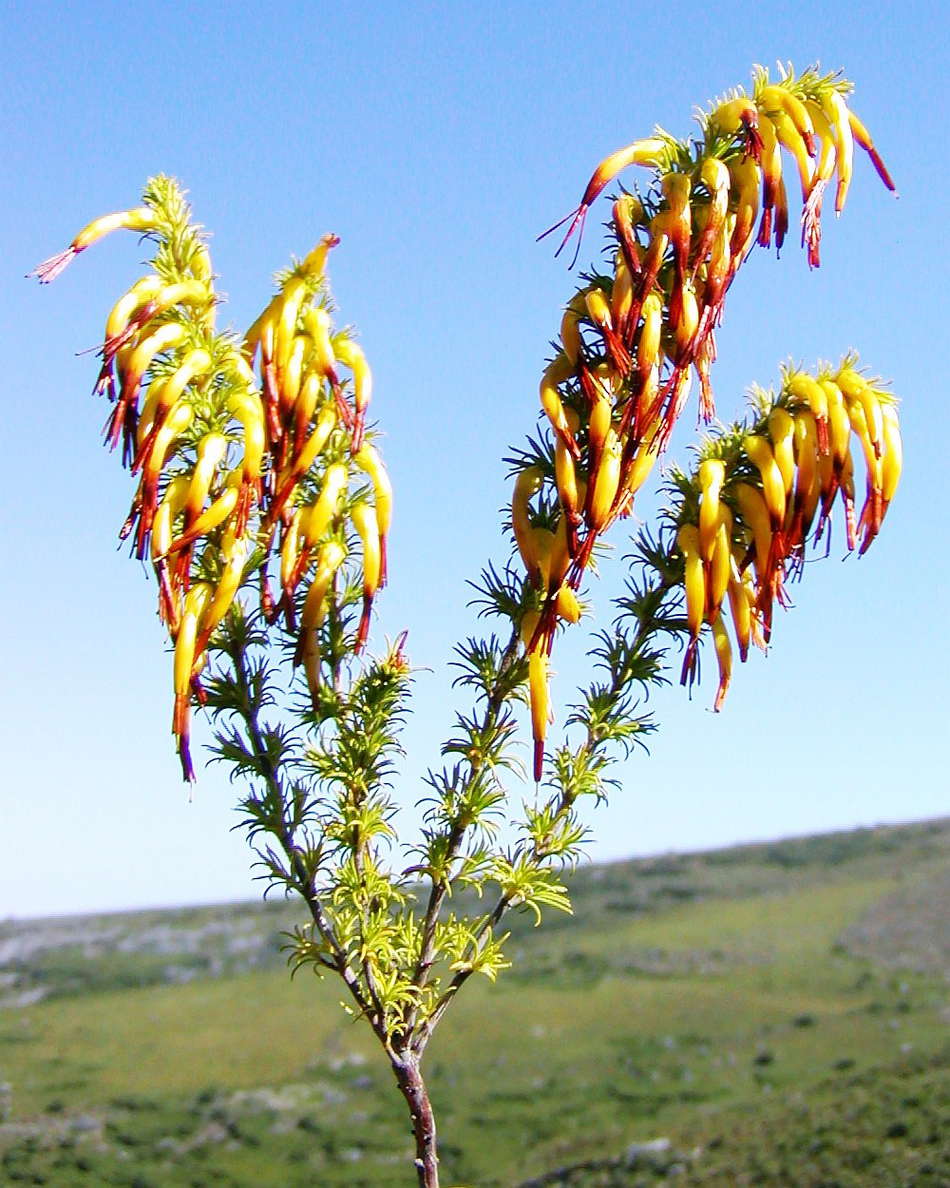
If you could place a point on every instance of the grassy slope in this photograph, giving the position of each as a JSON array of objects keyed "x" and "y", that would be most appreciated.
[{"x": 707, "y": 998}]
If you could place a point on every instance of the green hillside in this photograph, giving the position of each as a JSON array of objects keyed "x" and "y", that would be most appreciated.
[{"x": 772, "y": 1014}]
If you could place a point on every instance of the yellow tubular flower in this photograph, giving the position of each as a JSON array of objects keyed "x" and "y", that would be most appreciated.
[
  {"x": 643, "y": 462},
  {"x": 317, "y": 321},
  {"x": 827, "y": 153},
  {"x": 290, "y": 551},
  {"x": 790, "y": 138},
  {"x": 621, "y": 295},
  {"x": 177, "y": 421},
  {"x": 659, "y": 240},
  {"x": 169, "y": 509},
  {"x": 310, "y": 659},
  {"x": 712, "y": 473},
  {"x": 628, "y": 215},
  {"x": 771, "y": 179},
  {"x": 694, "y": 587},
  {"x": 325, "y": 424},
  {"x": 310, "y": 388},
  {"x": 741, "y": 600},
  {"x": 746, "y": 178},
  {"x": 892, "y": 460},
  {"x": 566, "y": 605},
  {"x": 856, "y": 388},
  {"x": 143, "y": 290},
  {"x": 677, "y": 188},
  {"x": 167, "y": 394},
  {"x": 862, "y": 430},
  {"x": 286, "y": 315},
  {"x": 200, "y": 264},
  {"x": 734, "y": 114},
  {"x": 571, "y": 335},
  {"x": 601, "y": 414},
  {"x": 715, "y": 176},
  {"x": 806, "y": 478},
  {"x": 314, "y": 264},
  {"x": 560, "y": 554},
  {"x": 350, "y": 354},
  {"x": 167, "y": 335},
  {"x": 777, "y": 101},
  {"x": 364, "y": 520},
  {"x": 369, "y": 461},
  {"x": 793, "y": 127},
  {"x": 211, "y": 451},
  {"x": 555, "y": 373},
  {"x": 688, "y": 322},
  {"x": 694, "y": 584},
  {"x": 196, "y": 600},
  {"x": 317, "y": 520},
  {"x": 836, "y": 112},
  {"x": 724, "y": 657},
  {"x": 759, "y": 450},
  {"x": 291, "y": 374},
  {"x": 542, "y": 547},
  {"x": 755, "y": 514},
  {"x": 527, "y": 484},
  {"x": 565, "y": 472},
  {"x": 141, "y": 218},
  {"x": 234, "y": 552},
  {"x": 132, "y": 367},
  {"x": 863, "y": 138},
  {"x": 598, "y": 310},
  {"x": 540, "y": 699},
  {"x": 332, "y": 556},
  {"x": 648, "y": 348},
  {"x": 648, "y": 407},
  {"x": 805, "y": 388},
  {"x": 641, "y": 152},
  {"x": 252, "y": 339},
  {"x": 839, "y": 426},
  {"x": 720, "y": 564},
  {"x": 313, "y": 447},
  {"x": 846, "y": 486},
  {"x": 827, "y": 480},
  {"x": 212, "y": 517},
  {"x": 248, "y": 410},
  {"x": 605, "y": 483},
  {"x": 187, "y": 292},
  {"x": 824, "y": 171},
  {"x": 873, "y": 511}
]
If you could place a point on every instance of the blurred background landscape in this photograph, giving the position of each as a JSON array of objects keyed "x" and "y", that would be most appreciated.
[{"x": 766, "y": 1014}]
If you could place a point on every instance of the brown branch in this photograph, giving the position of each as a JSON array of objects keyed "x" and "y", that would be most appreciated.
[{"x": 413, "y": 1089}]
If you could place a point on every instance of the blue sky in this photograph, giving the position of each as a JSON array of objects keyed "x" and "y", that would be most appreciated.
[{"x": 437, "y": 141}]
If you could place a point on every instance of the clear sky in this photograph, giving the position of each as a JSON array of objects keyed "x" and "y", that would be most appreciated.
[{"x": 437, "y": 141}]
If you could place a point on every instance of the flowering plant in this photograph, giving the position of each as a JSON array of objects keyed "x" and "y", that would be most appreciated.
[{"x": 264, "y": 506}]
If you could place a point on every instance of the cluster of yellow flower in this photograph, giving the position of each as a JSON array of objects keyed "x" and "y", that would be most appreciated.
[
  {"x": 235, "y": 469},
  {"x": 749, "y": 507},
  {"x": 631, "y": 341}
]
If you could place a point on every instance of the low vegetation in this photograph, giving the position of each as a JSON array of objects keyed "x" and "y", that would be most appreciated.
[{"x": 717, "y": 1018}]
